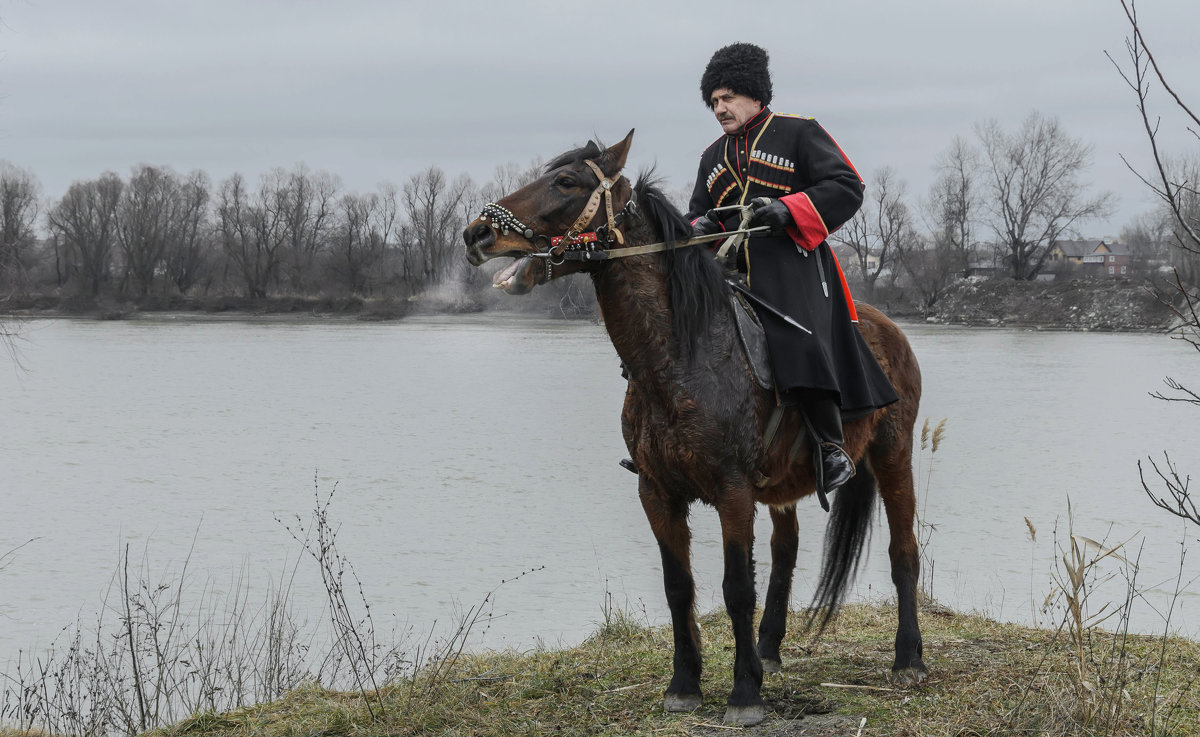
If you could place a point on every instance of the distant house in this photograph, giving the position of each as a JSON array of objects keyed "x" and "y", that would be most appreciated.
[
  {"x": 1072, "y": 253},
  {"x": 1096, "y": 258},
  {"x": 848, "y": 258},
  {"x": 1108, "y": 263}
]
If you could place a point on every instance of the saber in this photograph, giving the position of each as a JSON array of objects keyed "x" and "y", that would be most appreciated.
[{"x": 766, "y": 305}]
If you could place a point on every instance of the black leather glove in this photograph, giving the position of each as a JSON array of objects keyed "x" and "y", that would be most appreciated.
[
  {"x": 733, "y": 261},
  {"x": 705, "y": 225},
  {"x": 771, "y": 213}
]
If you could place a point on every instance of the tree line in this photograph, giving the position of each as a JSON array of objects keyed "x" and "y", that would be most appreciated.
[
  {"x": 295, "y": 233},
  {"x": 998, "y": 204},
  {"x": 1003, "y": 197}
]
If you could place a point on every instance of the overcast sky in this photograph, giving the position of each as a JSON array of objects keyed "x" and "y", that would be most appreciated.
[{"x": 375, "y": 91}]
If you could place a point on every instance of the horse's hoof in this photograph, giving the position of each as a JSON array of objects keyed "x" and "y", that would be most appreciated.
[
  {"x": 909, "y": 676},
  {"x": 771, "y": 666},
  {"x": 676, "y": 703},
  {"x": 746, "y": 716}
]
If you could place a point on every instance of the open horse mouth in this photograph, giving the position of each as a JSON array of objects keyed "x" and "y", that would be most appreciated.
[{"x": 519, "y": 277}]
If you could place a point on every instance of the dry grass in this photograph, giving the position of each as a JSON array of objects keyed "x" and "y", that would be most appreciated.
[{"x": 985, "y": 678}]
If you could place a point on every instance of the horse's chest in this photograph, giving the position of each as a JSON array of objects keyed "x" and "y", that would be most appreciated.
[{"x": 684, "y": 442}]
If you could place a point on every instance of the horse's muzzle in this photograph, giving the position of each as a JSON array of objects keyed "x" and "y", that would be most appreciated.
[{"x": 478, "y": 236}]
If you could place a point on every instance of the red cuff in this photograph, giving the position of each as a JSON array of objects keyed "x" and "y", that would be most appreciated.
[{"x": 807, "y": 228}]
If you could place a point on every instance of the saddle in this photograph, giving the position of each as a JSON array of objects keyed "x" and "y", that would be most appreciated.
[{"x": 753, "y": 339}]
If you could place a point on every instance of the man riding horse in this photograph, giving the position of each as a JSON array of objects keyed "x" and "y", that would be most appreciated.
[
  {"x": 799, "y": 183},
  {"x": 696, "y": 409}
]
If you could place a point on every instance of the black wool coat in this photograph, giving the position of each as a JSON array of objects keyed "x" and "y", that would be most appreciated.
[{"x": 793, "y": 159}]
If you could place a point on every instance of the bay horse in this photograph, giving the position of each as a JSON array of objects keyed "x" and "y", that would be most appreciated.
[{"x": 696, "y": 421}]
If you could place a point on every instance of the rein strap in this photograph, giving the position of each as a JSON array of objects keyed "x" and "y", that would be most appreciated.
[
  {"x": 604, "y": 254},
  {"x": 576, "y": 245}
]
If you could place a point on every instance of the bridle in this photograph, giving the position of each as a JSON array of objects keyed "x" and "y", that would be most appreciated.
[
  {"x": 575, "y": 244},
  {"x": 597, "y": 245}
]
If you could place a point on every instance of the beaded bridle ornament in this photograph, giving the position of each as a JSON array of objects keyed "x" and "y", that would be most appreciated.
[{"x": 575, "y": 244}]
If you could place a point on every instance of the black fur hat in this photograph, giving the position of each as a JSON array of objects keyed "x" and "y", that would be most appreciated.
[{"x": 740, "y": 67}]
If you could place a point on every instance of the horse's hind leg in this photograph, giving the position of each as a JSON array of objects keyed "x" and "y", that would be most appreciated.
[
  {"x": 895, "y": 478},
  {"x": 736, "y": 508},
  {"x": 784, "y": 541},
  {"x": 668, "y": 521}
]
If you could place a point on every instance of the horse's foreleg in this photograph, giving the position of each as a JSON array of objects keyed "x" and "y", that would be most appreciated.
[
  {"x": 784, "y": 541},
  {"x": 668, "y": 521},
  {"x": 899, "y": 500},
  {"x": 736, "y": 509}
]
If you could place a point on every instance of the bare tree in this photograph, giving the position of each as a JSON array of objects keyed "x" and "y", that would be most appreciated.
[
  {"x": 1178, "y": 194},
  {"x": 931, "y": 264},
  {"x": 1176, "y": 186},
  {"x": 1033, "y": 189},
  {"x": 356, "y": 243},
  {"x": 950, "y": 210},
  {"x": 189, "y": 251},
  {"x": 432, "y": 205},
  {"x": 878, "y": 231},
  {"x": 385, "y": 221},
  {"x": 508, "y": 178},
  {"x": 19, "y": 193},
  {"x": 953, "y": 204},
  {"x": 1145, "y": 239},
  {"x": 1182, "y": 214},
  {"x": 86, "y": 219},
  {"x": 304, "y": 203},
  {"x": 408, "y": 256},
  {"x": 147, "y": 223},
  {"x": 249, "y": 232}
]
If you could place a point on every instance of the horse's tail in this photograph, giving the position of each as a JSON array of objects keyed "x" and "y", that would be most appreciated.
[{"x": 846, "y": 533}]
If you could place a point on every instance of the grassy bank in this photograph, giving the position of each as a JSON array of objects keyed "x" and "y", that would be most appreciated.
[{"x": 985, "y": 678}]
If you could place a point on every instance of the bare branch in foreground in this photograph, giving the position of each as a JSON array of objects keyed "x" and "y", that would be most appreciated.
[{"x": 1178, "y": 500}]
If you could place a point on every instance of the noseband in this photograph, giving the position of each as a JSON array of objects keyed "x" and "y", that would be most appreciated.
[{"x": 575, "y": 244}]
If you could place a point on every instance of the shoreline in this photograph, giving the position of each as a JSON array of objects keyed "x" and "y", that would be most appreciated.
[{"x": 1084, "y": 305}]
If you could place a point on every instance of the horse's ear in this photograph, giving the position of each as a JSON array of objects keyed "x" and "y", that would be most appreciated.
[{"x": 616, "y": 155}]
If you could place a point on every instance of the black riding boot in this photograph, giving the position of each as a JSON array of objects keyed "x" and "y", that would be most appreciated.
[{"x": 824, "y": 421}]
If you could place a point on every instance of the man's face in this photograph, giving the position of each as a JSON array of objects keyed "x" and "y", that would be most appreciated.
[{"x": 732, "y": 109}]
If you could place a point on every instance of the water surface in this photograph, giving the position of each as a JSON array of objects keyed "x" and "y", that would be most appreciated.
[{"x": 467, "y": 450}]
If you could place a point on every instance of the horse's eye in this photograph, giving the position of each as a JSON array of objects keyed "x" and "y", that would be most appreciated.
[{"x": 564, "y": 180}]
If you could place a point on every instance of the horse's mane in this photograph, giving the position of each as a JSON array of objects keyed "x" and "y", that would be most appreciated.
[
  {"x": 696, "y": 289},
  {"x": 592, "y": 150}
]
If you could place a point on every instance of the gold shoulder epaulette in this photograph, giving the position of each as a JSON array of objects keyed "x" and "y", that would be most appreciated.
[{"x": 791, "y": 115}]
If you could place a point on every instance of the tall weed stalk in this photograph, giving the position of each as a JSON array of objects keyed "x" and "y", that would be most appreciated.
[
  {"x": 160, "y": 650},
  {"x": 152, "y": 656},
  {"x": 1097, "y": 698},
  {"x": 931, "y": 440},
  {"x": 350, "y": 616}
]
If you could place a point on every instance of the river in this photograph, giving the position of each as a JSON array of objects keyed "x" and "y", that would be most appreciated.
[{"x": 468, "y": 450}]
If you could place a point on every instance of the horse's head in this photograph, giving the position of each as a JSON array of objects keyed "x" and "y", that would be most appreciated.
[{"x": 546, "y": 226}]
